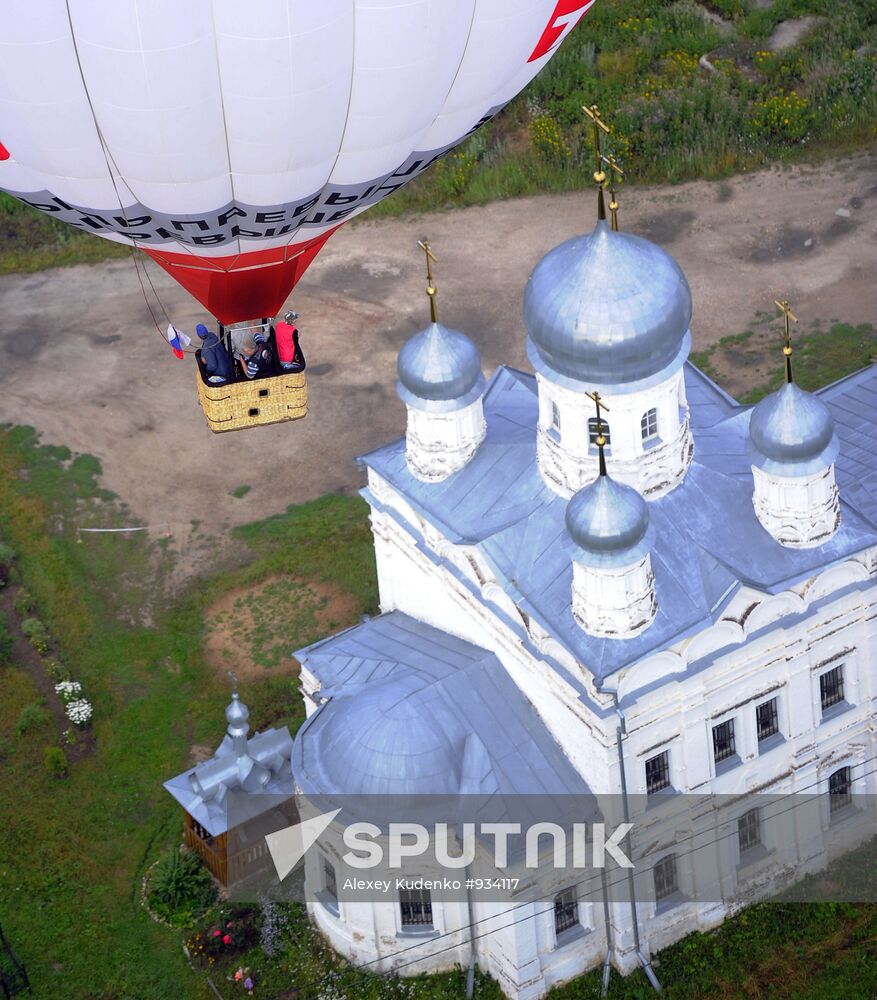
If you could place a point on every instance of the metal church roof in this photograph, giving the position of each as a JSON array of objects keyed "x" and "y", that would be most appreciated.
[
  {"x": 707, "y": 539},
  {"x": 439, "y": 369},
  {"x": 406, "y": 703}
]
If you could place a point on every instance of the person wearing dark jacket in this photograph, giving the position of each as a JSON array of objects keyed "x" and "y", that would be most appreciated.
[{"x": 214, "y": 356}]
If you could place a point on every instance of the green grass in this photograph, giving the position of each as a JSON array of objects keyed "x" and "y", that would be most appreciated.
[
  {"x": 820, "y": 356},
  {"x": 673, "y": 120},
  {"x": 73, "y": 851},
  {"x": 240, "y": 491}
]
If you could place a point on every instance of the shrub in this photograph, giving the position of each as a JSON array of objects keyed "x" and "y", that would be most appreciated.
[
  {"x": 7, "y": 558},
  {"x": 7, "y": 641},
  {"x": 547, "y": 138},
  {"x": 786, "y": 117},
  {"x": 181, "y": 888},
  {"x": 55, "y": 761},
  {"x": 32, "y": 717},
  {"x": 57, "y": 672},
  {"x": 38, "y": 634},
  {"x": 23, "y": 603}
]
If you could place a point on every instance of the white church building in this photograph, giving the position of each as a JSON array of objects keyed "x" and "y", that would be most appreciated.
[{"x": 679, "y": 600}]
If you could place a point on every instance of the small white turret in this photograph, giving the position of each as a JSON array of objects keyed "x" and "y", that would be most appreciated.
[{"x": 793, "y": 448}]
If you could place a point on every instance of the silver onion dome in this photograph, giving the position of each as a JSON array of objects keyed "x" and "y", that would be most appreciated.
[
  {"x": 607, "y": 308},
  {"x": 792, "y": 433},
  {"x": 237, "y": 715},
  {"x": 393, "y": 738},
  {"x": 609, "y": 523},
  {"x": 439, "y": 369}
]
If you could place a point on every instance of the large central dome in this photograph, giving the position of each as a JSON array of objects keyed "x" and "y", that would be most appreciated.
[{"x": 607, "y": 308}]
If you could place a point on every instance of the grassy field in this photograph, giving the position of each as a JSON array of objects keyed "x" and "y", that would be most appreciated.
[{"x": 674, "y": 118}]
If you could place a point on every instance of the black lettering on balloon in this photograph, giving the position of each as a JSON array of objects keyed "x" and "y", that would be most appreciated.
[
  {"x": 206, "y": 241},
  {"x": 63, "y": 204},
  {"x": 408, "y": 172},
  {"x": 342, "y": 214},
  {"x": 180, "y": 224},
  {"x": 42, "y": 208},
  {"x": 230, "y": 214},
  {"x": 237, "y": 231},
  {"x": 141, "y": 221},
  {"x": 263, "y": 217},
  {"x": 305, "y": 206},
  {"x": 337, "y": 198}
]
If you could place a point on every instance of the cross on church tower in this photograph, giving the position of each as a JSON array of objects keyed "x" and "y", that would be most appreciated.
[
  {"x": 789, "y": 318},
  {"x": 611, "y": 174},
  {"x": 593, "y": 112},
  {"x": 430, "y": 287},
  {"x": 600, "y": 440}
]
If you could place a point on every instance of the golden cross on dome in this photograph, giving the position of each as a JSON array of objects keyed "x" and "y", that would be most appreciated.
[
  {"x": 613, "y": 172},
  {"x": 593, "y": 112},
  {"x": 430, "y": 287},
  {"x": 600, "y": 440},
  {"x": 789, "y": 318}
]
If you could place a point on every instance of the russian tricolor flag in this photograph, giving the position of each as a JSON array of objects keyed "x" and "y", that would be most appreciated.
[{"x": 177, "y": 340}]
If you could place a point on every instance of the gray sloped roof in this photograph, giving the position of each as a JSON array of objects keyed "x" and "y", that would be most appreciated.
[
  {"x": 415, "y": 711},
  {"x": 707, "y": 540}
]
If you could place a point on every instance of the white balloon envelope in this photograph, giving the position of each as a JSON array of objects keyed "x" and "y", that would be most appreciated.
[{"x": 228, "y": 139}]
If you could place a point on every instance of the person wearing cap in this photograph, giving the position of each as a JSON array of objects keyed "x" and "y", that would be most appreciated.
[
  {"x": 254, "y": 354},
  {"x": 214, "y": 356},
  {"x": 289, "y": 353}
]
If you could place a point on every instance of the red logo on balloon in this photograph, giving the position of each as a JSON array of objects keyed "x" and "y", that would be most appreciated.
[
  {"x": 566, "y": 16},
  {"x": 4, "y": 152}
]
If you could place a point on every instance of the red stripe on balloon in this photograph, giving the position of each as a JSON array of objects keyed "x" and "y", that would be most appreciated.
[
  {"x": 242, "y": 286},
  {"x": 4, "y": 152},
  {"x": 566, "y": 16}
]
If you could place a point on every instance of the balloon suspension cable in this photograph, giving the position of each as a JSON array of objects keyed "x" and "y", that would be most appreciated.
[
  {"x": 600, "y": 127},
  {"x": 430, "y": 286},
  {"x": 600, "y": 439},
  {"x": 614, "y": 176},
  {"x": 789, "y": 317}
]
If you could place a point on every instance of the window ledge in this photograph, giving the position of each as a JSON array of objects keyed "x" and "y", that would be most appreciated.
[
  {"x": 844, "y": 814},
  {"x": 574, "y": 933},
  {"x": 554, "y": 434},
  {"x": 328, "y": 903},
  {"x": 656, "y": 799},
  {"x": 728, "y": 764},
  {"x": 652, "y": 442},
  {"x": 751, "y": 857},
  {"x": 670, "y": 902},
  {"x": 833, "y": 711},
  {"x": 424, "y": 931},
  {"x": 771, "y": 743}
]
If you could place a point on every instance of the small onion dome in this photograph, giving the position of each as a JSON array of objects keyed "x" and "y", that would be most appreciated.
[
  {"x": 792, "y": 433},
  {"x": 392, "y": 738},
  {"x": 439, "y": 370},
  {"x": 607, "y": 308},
  {"x": 609, "y": 523},
  {"x": 237, "y": 715}
]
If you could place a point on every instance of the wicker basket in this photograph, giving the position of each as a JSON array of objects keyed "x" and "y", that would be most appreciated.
[{"x": 267, "y": 400}]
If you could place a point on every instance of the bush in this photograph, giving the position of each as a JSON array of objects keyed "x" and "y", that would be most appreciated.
[
  {"x": 7, "y": 641},
  {"x": 55, "y": 761},
  {"x": 23, "y": 603},
  {"x": 32, "y": 717},
  {"x": 57, "y": 671},
  {"x": 7, "y": 558},
  {"x": 38, "y": 635},
  {"x": 181, "y": 888}
]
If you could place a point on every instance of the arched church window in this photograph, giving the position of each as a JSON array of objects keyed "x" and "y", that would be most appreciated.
[
  {"x": 592, "y": 431},
  {"x": 649, "y": 424}
]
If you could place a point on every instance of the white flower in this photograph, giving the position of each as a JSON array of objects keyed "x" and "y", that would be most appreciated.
[
  {"x": 68, "y": 690},
  {"x": 79, "y": 711}
]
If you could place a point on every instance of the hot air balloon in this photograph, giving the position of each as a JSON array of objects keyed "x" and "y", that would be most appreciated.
[{"x": 229, "y": 140}]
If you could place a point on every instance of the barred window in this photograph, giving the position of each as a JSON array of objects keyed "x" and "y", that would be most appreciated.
[
  {"x": 330, "y": 886},
  {"x": 831, "y": 687},
  {"x": 649, "y": 424},
  {"x": 658, "y": 772},
  {"x": 555, "y": 418},
  {"x": 592, "y": 431},
  {"x": 724, "y": 745},
  {"x": 749, "y": 830},
  {"x": 566, "y": 910},
  {"x": 416, "y": 907},
  {"x": 840, "y": 789},
  {"x": 666, "y": 880},
  {"x": 767, "y": 720}
]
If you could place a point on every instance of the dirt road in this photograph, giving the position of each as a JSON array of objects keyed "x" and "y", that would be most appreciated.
[{"x": 85, "y": 366}]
